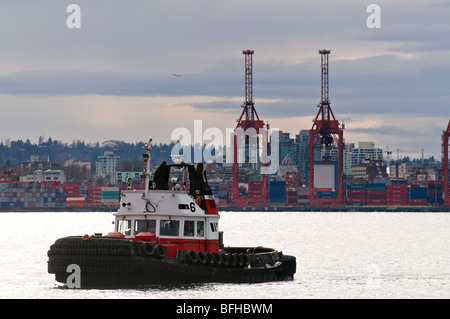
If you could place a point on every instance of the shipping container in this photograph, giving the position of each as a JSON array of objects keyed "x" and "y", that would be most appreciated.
[
  {"x": 375, "y": 196},
  {"x": 397, "y": 190},
  {"x": 372, "y": 201},
  {"x": 356, "y": 192},
  {"x": 383, "y": 185},
  {"x": 275, "y": 185},
  {"x": 12, "y": 204},
  {"x": 435, "y": 184},
  {"x": 417, "y": 201},
  {"x": 356, "y": 204},
  {"x": 396, "y": 196},
  {"x": 376, "y": 188},
  {"x": 356, "y": 186},
  {"x": 75, "y": 201},
  {"x": 435, "y": 198},
  {"x": 356, "y": 200},
  {"x": 324, "y": 189},
  {"x": 255, "y": 185},
  {"x": 435, "y": 187},
  {"x": 396, "y": 202},
  {"x": 110, "y": 194},
  {"x": 326, "y": 194},
  {"x": 417, "y": 192},
  {"x": 277, "y": 192}
]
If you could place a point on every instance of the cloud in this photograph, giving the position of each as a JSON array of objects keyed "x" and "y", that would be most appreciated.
[
  {"x": 386, "y": 130},
  {"x": 95, "y": 81},
  {"x": 407, "y": 132}
]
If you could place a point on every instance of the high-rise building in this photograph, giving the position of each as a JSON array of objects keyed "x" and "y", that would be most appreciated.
[
  {"x": 354, "y": 156},
  {"x": 300, "y": 154},
  {"x": 107, "y": 164},
  {"x": 285, "y": 145}
]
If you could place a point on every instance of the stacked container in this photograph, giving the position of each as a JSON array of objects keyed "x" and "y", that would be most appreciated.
[
  {"x": 325, "y": 193},
  {"x": 291, "y": 188},
  {"x": 223, "y": 194},
  {"x": 356, "y": 194},
  {"x": 375, "y": 194},
  {"x": 303, "y": 196},
  {"x": 255, "y": 189},
  {"x": 30, "y": 194},
  {"x": 435, "y": 193},
  {"x": 396, "y": 195},
  {"x": 291, "y": 197},
  {"x": 94, "y": 195},
  {"x": 72, "y": 189},
  {"x": 214, "y": 188},
  {"x": 417, "y": 195},
  {"x": 277, "y": 192},
  {"x": 255, "y": 192},
  {"x": 103, "y": 195},
  {"x": 76, "y": 194},
  {"x": 110, "y": 196},
  {"x": 448, "y": 192}
]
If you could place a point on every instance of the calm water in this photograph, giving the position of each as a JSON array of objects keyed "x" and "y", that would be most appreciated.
[{"x": 339, "y": 255}]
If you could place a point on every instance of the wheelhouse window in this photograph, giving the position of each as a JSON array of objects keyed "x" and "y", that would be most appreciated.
[
  {"x": 169, "y": 227},
  {"x": 189, "y": 228},
  {"x": 124, "y": 227},
  {"x": 200, "y": 228},
  {"x": 145, "y": 225}
]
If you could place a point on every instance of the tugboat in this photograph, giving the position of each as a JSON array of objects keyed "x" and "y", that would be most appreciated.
[{"x": 165, "y": 235}]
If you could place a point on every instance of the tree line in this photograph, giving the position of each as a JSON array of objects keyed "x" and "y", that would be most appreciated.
[{"x": 13, "y": 153}]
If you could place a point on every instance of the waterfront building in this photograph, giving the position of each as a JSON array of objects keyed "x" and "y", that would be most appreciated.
[
  {"x": 368, "y": 171},
  {"x": 107, "y": 164},
  {"x": 122, "y": 177},
  {"x": 300, "y": 154},
  {"x": 284, "y": 146},
  {"x": 50, "y": 175},
  {"x": 354, "y": 156}
]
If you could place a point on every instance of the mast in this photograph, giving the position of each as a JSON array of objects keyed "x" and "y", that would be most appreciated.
[{"x": 147, "y": 159}]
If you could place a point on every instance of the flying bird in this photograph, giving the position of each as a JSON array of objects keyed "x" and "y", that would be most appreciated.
[{"x": 177, "y": 75}]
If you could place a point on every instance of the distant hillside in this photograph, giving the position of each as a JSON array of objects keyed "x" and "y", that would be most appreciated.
[{"x": 13, "y": 153}]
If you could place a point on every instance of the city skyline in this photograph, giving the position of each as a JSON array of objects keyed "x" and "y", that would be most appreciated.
[{"x": 145, "y": 69}]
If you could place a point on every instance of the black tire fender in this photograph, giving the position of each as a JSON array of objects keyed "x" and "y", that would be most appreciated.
[
  {"x": 217, "y": 258},
  {"x": 209, "y": 258},
  {"x": 191, "y": 257},
  {"x": 159, "y": 251},
  {"x": 234, "y": 260},
  {"x": 201, "y": 257},
  {"x": 241, "y": 260},
  {"x": 148, "y": 249}
]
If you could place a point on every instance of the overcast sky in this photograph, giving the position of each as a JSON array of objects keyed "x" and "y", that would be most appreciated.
[{"x": 112, "y": 78}]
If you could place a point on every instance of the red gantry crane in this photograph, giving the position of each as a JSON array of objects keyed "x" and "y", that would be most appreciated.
[
  {"x": 249, "y": 119},
  {"x": 445, "y": 138},
  {"x": 326, "y": 135}
]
